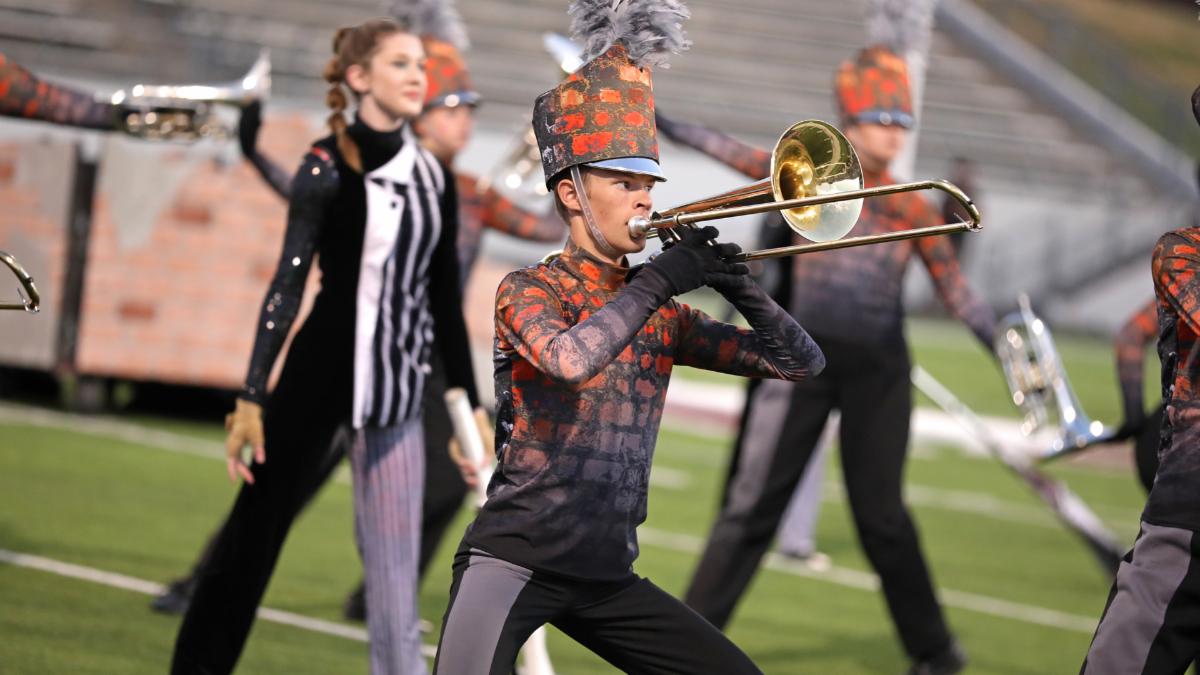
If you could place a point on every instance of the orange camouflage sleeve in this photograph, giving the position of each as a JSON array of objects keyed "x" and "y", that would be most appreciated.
[
  {"x": 501, "y": 214},
  {"x": 1130, "y": 345},
  {"x": 23, "y": 94},
  {"x": 942, "y": 263},
  {"x": 530, "y": 321},
  {"x": 1176, "y": 259},
  {"x": 747, "y": 159}
]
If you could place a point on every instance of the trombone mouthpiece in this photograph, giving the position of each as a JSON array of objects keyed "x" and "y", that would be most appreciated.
[{"x": 638, "y": 226}]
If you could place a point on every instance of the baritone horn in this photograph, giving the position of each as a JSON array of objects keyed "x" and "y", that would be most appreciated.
[
  {"x": 1039, "y": 385},
  {"x": 816, "y": 184},
  {"x": 30, "y": 299},
  {"x": 187, "y": 112}
]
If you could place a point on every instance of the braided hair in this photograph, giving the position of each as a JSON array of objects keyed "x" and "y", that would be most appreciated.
[{"x": 353, "y": 45}]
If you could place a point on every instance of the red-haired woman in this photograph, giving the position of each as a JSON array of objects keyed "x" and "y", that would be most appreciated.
[{"x": 380, "y": 213}]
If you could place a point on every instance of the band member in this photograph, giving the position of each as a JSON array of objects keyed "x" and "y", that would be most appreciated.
[
  {"x": 584, "y": 352},
  {"x": 1139, "y": 330},
  {"x": 851, "y": 299},
  {"x": 25, "y": 95},
  {"x": 380, "y": 214},
  {"x": 1150, "y": 622},
  {"x": 444, "y": 128}
]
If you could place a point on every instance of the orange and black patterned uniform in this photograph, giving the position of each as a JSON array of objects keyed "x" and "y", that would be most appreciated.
[
  {"x": 23, "y": 94},
  {"x": 851, "y": 300},
  {"x": 582, "y": 363},
  {"x": 1151, "y": 623},
  {"x": 1175, "y": 498},
  {"x": 489, "y": 209},
  {"x": 1131, "y": 341}
]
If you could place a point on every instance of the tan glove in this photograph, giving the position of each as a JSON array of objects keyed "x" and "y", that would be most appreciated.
[
  {"x": 244, "y": 427},
  {"x": 471, "y": 469}
]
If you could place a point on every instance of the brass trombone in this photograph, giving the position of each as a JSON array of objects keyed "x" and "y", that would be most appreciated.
[
  {"x": 816, "y": 182},
  {"x": 30, "y": 299}
]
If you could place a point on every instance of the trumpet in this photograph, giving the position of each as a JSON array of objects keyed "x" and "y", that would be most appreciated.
[
  {"x": 31, "y": 300},
  {"x": 816, "y": 183},
  {"x": 187, "y": 112},
  {"x": 1039, "y": 385}
]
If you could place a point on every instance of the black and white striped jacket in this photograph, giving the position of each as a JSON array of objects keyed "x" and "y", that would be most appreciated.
[{"x": 384, "y": 239}]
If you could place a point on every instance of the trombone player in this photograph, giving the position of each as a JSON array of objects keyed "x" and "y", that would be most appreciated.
[{"x": 851, "y": 301}]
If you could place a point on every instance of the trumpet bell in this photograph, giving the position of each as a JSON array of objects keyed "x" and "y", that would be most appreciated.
[{"x": 813, "y": 159}]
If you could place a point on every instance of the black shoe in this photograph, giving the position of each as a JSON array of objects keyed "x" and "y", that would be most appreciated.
[
  {"x": 176, "y": 598},
  {"x": 948, "y": 662},
  {"x": 355, "y": 607}
]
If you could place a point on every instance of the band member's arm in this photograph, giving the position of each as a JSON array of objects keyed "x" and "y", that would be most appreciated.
[
  {"x": 314, "y": 187},
  {"x": 530, "y": 320},
  {"x": 775, "y": 346},
  {"x": 749, "y": 160},
  {"x": 501, "y": 214},
  {"x": 23, "y": 94},
  {"x": 248, "y": 127},
  {"x": 938, "y": 255},
  {"x": 445, "y": 300},
  {"x": 1130, "y": 344},
  {"x": 1176, "y": 261}
]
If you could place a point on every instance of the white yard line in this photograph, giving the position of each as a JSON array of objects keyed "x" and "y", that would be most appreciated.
[
  {"x": 977, "y": 503},
  {"x": 866, "y": 581},
  {"x": 128, "y": 583}
]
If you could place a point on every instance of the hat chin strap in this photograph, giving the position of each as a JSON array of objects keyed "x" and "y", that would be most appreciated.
[{"x": 597, "y": 236}]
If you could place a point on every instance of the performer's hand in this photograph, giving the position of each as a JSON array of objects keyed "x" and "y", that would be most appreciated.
[
  {"x": 1128, "y": 429},
  {"x": 725, "y": 276},
  {"x": 471, "y": 470},
  {"x": 686, "y": 263},
  {"x": 244, "y": 427},
  {"x": 248, "y": 126}
]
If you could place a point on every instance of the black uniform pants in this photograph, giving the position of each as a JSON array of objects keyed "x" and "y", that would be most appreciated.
[
  {"x": 871, "y": 388},
  {"x": 444, "y": 487},
  {"x": 632, "y": 624}
]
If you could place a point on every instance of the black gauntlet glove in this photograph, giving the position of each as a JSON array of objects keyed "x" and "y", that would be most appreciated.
[
  {"x": 248, "y": 126},
  {"x": 693, "y": 262}
]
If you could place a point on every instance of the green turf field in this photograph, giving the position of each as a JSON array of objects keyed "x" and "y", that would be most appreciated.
[{"x": 1021, "y": 592}]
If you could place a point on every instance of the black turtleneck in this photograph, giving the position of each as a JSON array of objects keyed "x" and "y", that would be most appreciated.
[{"x": 374, "y": 322}]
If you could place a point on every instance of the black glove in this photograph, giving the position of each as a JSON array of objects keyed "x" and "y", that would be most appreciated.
[
  {"x": 248, "y": 126},
  {"x": 1129, "y": 429},
  {"x": 724, "y": 276},
  {"x": 689, "y": 263}
]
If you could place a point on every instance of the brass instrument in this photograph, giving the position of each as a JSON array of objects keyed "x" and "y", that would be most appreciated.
[
  {"x": 816, "y": 182},
  {"x": 1039, "y": 384},
  {"x": 30, "y": 299},
  {"x": 187, "y": 112}
]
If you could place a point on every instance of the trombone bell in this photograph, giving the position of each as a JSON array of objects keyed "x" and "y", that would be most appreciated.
[{"x": 814, "y": 159}]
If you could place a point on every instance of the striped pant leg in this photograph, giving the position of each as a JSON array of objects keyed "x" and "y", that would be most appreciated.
[
  {"x": 389, "y": 468},
  {"x": 1152, "y": 622}
]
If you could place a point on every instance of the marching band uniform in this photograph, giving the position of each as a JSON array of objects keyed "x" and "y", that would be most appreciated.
[
  {"x": 584, "y": 352},
  {"x": 851, "y": 300},
  {"x": 25, "y": 95},
  {"x": 1150, "y": 623},
  {"x": 1139, "y": 330}
]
